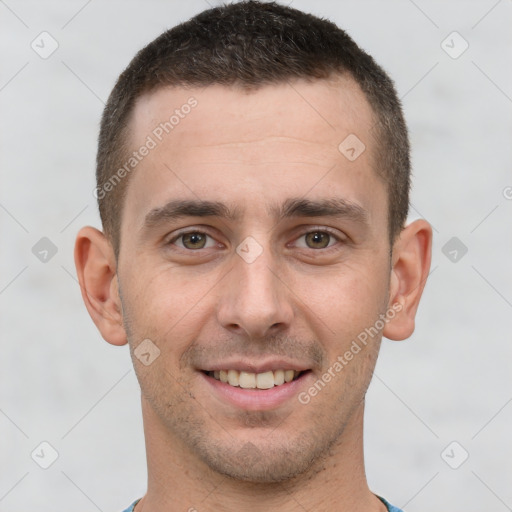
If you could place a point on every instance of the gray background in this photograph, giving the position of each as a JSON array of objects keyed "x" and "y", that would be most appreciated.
[{"x": 60, "y": 383}]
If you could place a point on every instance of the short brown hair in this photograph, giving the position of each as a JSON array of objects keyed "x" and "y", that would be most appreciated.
[{"x": 251, "y": 44}]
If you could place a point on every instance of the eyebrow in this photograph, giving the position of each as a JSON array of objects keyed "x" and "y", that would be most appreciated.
[
  {"x": 292, "y": 207},
  {"x": 330, "y": 207}
]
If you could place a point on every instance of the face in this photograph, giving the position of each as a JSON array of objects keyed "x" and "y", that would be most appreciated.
[{"x": 254, "y": 251}]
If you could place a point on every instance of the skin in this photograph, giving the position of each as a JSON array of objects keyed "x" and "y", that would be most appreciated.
[{"x": 304, "y": 299}]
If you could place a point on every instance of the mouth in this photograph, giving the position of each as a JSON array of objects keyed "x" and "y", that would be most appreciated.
[
  {"x": 249, "y": 380},
  {"x": 264, "y": 390}
]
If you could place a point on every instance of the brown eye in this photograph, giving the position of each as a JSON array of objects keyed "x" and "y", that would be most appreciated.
[
  {"x": 317, "y": 239},
  {"x": 194, "y": 240}
]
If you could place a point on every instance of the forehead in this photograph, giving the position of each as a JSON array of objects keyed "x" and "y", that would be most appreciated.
[
  {"x": 227, "y": 144},
  {"x": 320, "y": 111}
]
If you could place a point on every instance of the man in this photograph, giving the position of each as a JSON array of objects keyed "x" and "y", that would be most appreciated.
[{"x": 253, "y": 181}]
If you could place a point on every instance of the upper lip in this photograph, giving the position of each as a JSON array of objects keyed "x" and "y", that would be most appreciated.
[{"x": 243, "y": 365}]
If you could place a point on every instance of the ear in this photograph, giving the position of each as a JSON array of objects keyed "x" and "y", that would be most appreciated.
[
  {"x": 96, "y": 268},
  {"x": 412, "y": 253}
]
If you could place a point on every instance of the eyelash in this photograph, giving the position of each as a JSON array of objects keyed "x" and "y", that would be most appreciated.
[{"x": 325, "y": 230}]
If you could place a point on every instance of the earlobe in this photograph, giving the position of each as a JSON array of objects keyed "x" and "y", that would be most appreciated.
[
  {"x": 410, "y": 267},
  {"x": 96, "y": 268}
]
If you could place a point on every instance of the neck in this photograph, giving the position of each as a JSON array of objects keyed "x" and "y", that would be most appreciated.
[{"x": 178, "y": 480}]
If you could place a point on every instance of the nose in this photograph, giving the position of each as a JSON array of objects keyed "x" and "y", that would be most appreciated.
[{"x": 255, "y": 301}]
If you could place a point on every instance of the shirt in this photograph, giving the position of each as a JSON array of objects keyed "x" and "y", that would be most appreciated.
[{"x": 391, "y": 508}]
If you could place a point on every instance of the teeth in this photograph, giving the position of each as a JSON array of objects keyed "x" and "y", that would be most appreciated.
[
  {"x": 288, "y": 375},
  {"x": 265, "y": 380},
  {"x": 278, "y": 377},
  {"x": 233, "y": 377},
  {"x": 247, "y": 380}
]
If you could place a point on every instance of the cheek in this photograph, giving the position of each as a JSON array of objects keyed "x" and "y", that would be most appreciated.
[
  {"x": 348, "y": 299},
  {"x": 164, "y": 305}
]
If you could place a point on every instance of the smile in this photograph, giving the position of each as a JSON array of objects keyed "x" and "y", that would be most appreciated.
[
  {"x": 261, "y": 390},
  {"x": 248, "y": 380}
]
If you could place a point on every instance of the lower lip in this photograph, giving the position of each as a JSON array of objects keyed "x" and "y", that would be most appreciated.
[{"x": 257, "y": 399}]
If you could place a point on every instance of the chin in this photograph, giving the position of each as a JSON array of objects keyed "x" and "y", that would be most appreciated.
[{"x": 262, "y": 461}]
